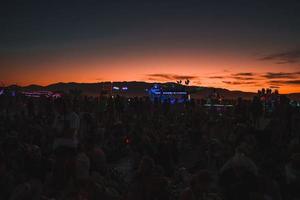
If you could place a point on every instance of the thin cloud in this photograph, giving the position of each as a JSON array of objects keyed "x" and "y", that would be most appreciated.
[
  {"x": 243, "y": 78},
  {"x": 287, "y": 57},
  {"x": 184, "y": 77},
  {"x": 170, "y": 77},
  {"x": 160, "y": 77},
  {"x": 244, "y": 74},
  {"x": 217, "y": 77},
  {"x": 239, "y": 82},
  {"x": 281, "y": 75},
  {"x": 237, "y": 76},
  {"x": 274, "y": 87},
  {"x": 285, "y": 82},
  {"x": 276, "y": 80}
]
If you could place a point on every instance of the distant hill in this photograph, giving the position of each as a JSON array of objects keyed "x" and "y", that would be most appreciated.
[
  {"x": 136, "y": 88},
  {"x": 227, "y": 94}
]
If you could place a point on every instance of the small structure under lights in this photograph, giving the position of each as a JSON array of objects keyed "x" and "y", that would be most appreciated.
[{"x": 168, "y": 94}]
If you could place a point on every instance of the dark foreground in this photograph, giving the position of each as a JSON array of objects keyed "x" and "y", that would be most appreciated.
[{"x": 90, "y": 148}]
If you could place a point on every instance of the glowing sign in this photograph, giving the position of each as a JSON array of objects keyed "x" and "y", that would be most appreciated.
[
  {"x": 171, "y": 96},
  {"x": 116, "y": 88},
  {"x": 217, "y": 105},
  {"x": 174, "y": 92},
  {"x": 169, "y": 93}
]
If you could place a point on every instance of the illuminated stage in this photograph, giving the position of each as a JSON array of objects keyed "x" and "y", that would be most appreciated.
[{"x": 168, "y": 94}]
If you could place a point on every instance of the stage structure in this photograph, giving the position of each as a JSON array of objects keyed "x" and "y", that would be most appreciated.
[{"x": 168, "y": 94}]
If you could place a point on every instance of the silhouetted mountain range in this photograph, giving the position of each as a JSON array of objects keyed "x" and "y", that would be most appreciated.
[{"x": 136, "y": 88}]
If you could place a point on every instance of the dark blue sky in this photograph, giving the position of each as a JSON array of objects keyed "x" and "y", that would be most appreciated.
[{"x": 34, "y": 24}]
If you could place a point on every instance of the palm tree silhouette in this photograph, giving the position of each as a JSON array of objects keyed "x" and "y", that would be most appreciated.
[{"x": 187, "y": 82}]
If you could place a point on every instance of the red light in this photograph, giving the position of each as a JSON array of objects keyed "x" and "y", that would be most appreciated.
[{"x": 127, "y": 141}]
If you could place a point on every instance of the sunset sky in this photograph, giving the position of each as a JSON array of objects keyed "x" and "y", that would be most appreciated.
[{"x": 238, "y": 45}]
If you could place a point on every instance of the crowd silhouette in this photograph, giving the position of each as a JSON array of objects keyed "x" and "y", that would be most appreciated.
[{"x": 85, "y": 148}]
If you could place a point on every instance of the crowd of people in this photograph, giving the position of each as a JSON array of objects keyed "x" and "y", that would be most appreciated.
[{"x": 85, "y": 148}]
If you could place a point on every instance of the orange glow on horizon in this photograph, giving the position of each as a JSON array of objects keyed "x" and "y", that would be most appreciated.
[{"x": 201, "y": 67}]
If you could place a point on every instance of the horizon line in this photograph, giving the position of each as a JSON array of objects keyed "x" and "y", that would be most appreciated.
[{"x": 162, "y": 82}]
